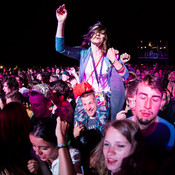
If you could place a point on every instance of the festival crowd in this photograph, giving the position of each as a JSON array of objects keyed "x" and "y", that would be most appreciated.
[{"x": 104, "y": 116}]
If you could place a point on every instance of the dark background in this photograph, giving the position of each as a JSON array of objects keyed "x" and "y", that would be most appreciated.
[{"x": 28, "y": 27}]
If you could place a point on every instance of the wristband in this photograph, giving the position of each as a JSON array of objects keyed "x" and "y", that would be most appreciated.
[
  {"x": 62, "y": 146},
  {"x": 113, "y": 61},
  {"x": 121, "y": 69}
]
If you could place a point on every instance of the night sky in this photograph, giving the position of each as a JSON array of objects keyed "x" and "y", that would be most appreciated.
[{"x": 28, "y": 27}]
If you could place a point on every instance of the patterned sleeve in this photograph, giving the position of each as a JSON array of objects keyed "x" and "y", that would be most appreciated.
[{"x": 76, "y": 159}]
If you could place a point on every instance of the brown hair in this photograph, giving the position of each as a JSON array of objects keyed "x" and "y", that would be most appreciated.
[
  {"x": 131, "y": 164},
  {"x": 86, "y": 94},
  {"x": 97, "y": 27},
  {"x": 154, "y": 82},
  {"x": 131, "y": 89}
]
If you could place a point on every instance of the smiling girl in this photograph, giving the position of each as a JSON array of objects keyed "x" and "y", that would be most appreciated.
[
  {"x": 121, "y": 150},
  {"x": 48, "y": 145}
]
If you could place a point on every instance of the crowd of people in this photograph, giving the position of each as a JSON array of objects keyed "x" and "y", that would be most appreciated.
[{"x": 104, "y": 116}]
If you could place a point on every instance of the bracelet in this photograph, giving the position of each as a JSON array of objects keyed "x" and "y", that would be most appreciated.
[
  {"x": 62, "y": 146},
  {"x": 121, "y": 69},
  {"x": 113, "y": 61}
]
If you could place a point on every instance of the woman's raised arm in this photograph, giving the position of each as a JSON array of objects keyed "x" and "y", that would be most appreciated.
[{"x": 61, "y": 14}]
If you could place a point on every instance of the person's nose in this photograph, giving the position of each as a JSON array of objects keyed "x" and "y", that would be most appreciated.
[
  {"x": 88, "y": 107},
  {"x": 147, "y": 103},
  {"x": 98, "y": 34},
  {"x": 111, "y": 151},
  {"x": 38, "y": 151}
]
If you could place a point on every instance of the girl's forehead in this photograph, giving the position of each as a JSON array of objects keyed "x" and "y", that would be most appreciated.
[
  {"x": 113, "y": 134},
  {"x": 99, "y": 29},
  {"x": 38, "y": 141}
]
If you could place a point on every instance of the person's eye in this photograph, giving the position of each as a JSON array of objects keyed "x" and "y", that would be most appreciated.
[
  {"x": 155, "y": 99},
  {"x": 142, "y": 96},
  {"x": 121, "y": 146},
  {"x": 102, "y": 32},
  {"x": 106, "y": 144},
  {"x": 44, "y": 148}
]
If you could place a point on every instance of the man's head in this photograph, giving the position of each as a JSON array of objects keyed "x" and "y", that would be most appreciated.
[
  {"x": 65, "y": 76},
  {"x": 130, "y": 94},
  {"x": 10, "y": 84},
  {"x": 14, "y": 96},
  {"x": 148, "y": 99},
  {"x": 171, "y": 76},
  {"x": 60, "y": 91},
  {"x": 39, "y": 100},
  {"x": 89, "y": 103}
]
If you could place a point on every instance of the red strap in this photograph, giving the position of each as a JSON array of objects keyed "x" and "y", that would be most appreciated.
[{"x": 95, "y": 66}]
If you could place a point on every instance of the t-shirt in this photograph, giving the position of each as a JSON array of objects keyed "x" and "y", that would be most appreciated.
[
  {"x": 91, "y": 124},
  {"x": 163, "y": 137},
  {"x": 102, "y": 73},
  {"x": 53, "y": 169}
]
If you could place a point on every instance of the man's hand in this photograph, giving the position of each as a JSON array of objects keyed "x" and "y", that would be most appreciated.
[
  {"x": 78, "y": 129},
  {"x": 121, "y": 115}
]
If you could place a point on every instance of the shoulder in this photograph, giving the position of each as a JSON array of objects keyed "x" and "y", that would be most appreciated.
[
  {"x": 166, "y": 127},
  {"x": 130, "y": 118},
  {"x": 85, "y": 51},
  {"x": 165, "y": 122}
]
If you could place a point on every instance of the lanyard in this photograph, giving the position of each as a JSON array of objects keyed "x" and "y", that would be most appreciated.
[{"x": 95, "y": 67}]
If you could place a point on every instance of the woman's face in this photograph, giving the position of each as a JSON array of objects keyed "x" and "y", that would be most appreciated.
[
  {"x": 98, "y": 37},
  {"x": 116, "y": 148},
  {"x": 171, "y": 76},
  {"x": 45, "y": 150}
]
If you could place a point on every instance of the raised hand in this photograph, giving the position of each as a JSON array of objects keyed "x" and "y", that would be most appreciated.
[
  {"x": 61, "y": 13},
  {"x": 121, "y": 115},
  {"x": 61, "y": 130},
  {"x": 112, "y": 54},
  {"x": 78, "y": 129},
  {"x": 125, "y": 57}
]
